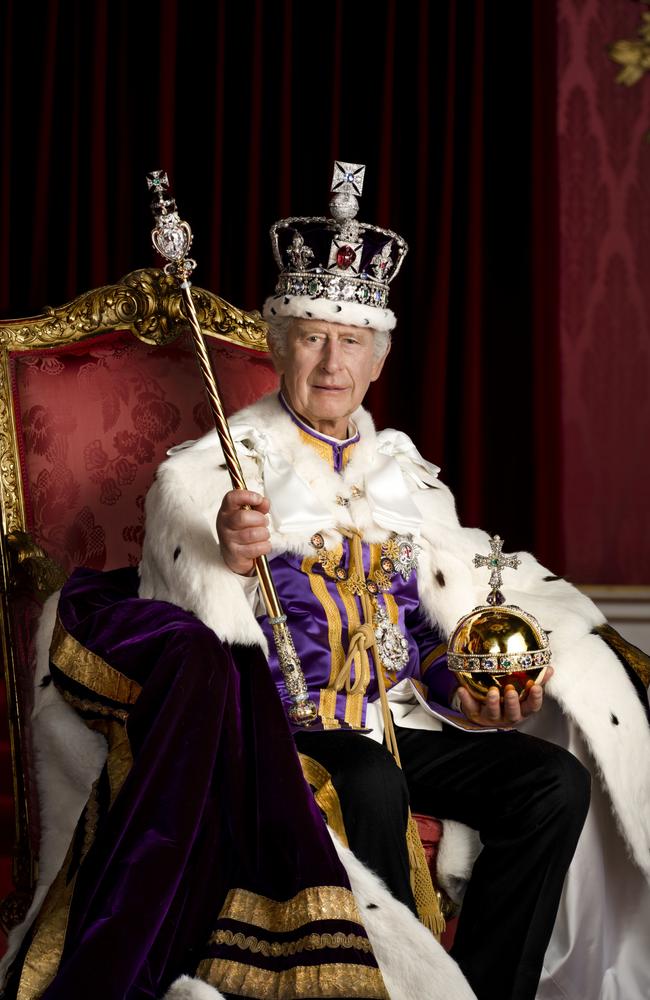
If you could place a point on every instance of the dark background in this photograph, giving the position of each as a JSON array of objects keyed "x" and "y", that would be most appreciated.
[{"x": 451, "y": 105}]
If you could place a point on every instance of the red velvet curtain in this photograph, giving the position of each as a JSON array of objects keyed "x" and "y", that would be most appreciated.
[{"x": 451, "y": 106}]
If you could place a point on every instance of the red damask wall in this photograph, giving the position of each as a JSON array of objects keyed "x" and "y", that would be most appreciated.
[{"x": 604, "y": 183}]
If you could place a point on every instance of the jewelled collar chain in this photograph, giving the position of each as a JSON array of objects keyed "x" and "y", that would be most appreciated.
[{"x": 398, "y": 555}]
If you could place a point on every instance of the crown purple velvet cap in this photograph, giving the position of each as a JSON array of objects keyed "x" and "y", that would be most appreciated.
[{"x": 336, "y": 268}]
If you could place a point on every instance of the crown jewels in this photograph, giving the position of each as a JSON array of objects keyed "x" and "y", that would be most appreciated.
[
  {"x": 498, "y": 644},
  {"x": 336, "y": 267}
]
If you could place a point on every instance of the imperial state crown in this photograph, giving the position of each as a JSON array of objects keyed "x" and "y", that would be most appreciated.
[{"x": 336, "y": 268}]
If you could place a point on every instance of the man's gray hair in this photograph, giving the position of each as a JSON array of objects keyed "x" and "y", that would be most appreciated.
[{"x": 279, "y": 327}]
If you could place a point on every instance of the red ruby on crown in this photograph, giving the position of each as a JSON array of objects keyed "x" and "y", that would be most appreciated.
[{"x": 345, "y": 257}]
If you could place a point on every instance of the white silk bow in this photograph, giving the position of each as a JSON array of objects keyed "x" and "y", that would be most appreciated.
[{"x": 297, "y": 507}]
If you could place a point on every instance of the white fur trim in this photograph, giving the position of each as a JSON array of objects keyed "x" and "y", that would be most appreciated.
[
  {"x": 68, "y": 756},
  {"x": 347, "y": 313},
  {"x": 458, "y": 849},
  {"x": 189, "y": 491},
  {"x": 413, "y": 964},
  {"x": 182, "y": 535},
  {"x": 187, "y": 988}
]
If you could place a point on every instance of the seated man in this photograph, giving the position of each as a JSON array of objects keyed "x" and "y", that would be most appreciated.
[
  {"x": 373, "y": 572},
  {"x": 201, "y": 805}
]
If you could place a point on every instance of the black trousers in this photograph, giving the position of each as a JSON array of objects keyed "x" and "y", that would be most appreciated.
[{"x": 527, "y": 798}]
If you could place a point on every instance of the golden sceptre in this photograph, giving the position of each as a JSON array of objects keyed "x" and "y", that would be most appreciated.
[{"x": 172, "y": 238}]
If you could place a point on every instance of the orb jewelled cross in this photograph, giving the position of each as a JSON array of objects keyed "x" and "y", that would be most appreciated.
[{"x": 496, "y": 561}]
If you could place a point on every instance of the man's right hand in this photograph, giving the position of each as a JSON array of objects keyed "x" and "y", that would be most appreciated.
[{"x": 243, "y": 532}]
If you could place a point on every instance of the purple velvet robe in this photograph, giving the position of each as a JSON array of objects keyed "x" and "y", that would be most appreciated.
[{"x": 200, "y": 832}]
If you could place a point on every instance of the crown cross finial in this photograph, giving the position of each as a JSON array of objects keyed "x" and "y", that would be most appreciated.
[
  {"x": 347, "y": 186},
  {"x": 496, "y": 561},
  {"x": 348, "y": 177}
]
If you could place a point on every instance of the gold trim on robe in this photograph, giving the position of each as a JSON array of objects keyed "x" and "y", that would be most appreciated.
[
  {"x": 86, "y": 668},
  {"x": 327, "y": 902},
  {"x": 333, "y": 980},
  {"x": 325, "y": 795}
]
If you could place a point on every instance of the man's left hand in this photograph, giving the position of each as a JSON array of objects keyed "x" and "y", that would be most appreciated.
[{"x": 503, "y": 716}]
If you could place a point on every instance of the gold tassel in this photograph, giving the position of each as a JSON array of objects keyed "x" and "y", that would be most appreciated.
[{"x": 426, "y": 899}]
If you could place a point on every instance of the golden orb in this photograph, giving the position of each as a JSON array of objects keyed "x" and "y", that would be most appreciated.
[
  {"x": 498, "y": 647},
  {"x": 498, "y": 644}
]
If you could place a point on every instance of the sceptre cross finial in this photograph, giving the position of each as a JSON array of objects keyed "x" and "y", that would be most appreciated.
[
  {"x": 496, "y": 561},
  {"x": 172, "y": 237}
]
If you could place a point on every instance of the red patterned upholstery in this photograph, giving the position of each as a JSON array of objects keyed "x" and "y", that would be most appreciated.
[
  {"x": 94, "y": 418},
  {"x": 94, "y": 421}
]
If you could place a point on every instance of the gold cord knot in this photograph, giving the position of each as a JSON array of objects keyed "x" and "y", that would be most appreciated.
[{"x": 361, "y": 640}]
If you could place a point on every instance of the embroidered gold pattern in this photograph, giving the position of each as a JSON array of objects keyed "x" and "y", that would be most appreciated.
[
  {"x": 354, "y": 580},
  {"x": 279, "y": 949},
  {"x": 44, "y": 954},
  {"x": 327, "y": 902},
  {"x": 85, "y": 667},
  {"x": 331, "y": 980},
  {"x": 327, "y": 703},
  {"x": 324, "y": 449},
  {"x": 84, "y": 705},
  {"x": 325, "y": 795},
  {"x": 354, "y": 692},
  {"x": 635, "y": 657},
  {"x": 330, "y": 559}
]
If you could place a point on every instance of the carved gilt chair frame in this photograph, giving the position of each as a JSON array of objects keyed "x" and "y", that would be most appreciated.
[{"x": 148, "y": 303}]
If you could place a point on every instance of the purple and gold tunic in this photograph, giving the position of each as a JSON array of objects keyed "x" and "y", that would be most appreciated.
[{"x": 319, "y": 594}]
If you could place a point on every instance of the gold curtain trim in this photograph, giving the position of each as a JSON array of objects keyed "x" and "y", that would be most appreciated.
[
  {"x": 335, "y": 980},
  {"x": 325, "y": 794},
  {"x": 90, "y": 670},
  {"x": 280, "y": 949},
  {"x": 327, "y": 902}
]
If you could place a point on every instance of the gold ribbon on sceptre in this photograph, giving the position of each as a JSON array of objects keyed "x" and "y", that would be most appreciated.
[{"x": 172, "y": 238}]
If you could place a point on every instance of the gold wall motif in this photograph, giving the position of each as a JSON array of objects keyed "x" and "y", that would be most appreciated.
[{"x": 633, "y": 54}]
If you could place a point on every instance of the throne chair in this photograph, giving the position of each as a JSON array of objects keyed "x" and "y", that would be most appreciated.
[{"x": 92, "y": 395}]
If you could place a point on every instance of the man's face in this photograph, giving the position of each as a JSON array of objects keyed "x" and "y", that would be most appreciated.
[{"x": 326, "y": 371}]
